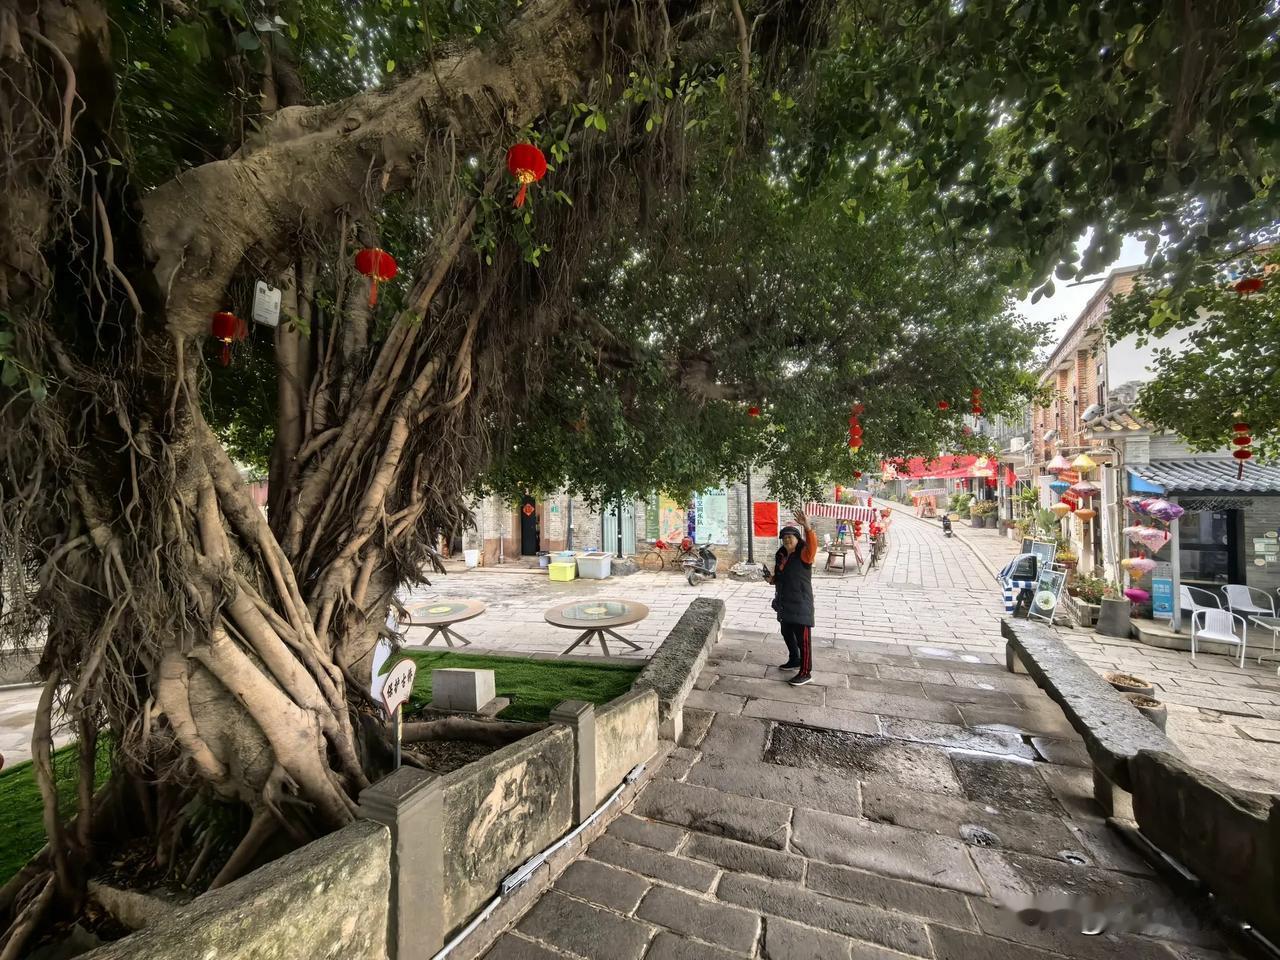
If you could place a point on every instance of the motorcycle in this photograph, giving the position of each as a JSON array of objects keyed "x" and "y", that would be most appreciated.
[
  {"x": 699, "y": 568},
  {"x": 946, "y": 525}
]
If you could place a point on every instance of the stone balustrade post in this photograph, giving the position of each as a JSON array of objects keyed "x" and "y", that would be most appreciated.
[
  {"x": 581, "y": 717},
  {"x": 410, "y": 803}
]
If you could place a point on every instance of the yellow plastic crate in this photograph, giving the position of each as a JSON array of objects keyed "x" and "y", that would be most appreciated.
[{"x": 563, "y": 571}]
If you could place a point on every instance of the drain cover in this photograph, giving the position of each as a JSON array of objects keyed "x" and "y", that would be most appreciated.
[
  {"x": 978, "y": 836},
  {"x": 1070, "y": 856}
]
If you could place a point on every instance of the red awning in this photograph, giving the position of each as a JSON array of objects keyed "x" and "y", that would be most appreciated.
[{"x": 941, "y": 468}]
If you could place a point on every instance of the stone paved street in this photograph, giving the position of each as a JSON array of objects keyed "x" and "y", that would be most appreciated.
[
  {"x": 888, "y": 810},
  {"x": 1225, "y": 718}
]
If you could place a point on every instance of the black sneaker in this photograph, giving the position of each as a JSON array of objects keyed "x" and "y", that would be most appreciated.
[
  {"x": 790, "y": 665},
  {"x": 800, "y": 679}
]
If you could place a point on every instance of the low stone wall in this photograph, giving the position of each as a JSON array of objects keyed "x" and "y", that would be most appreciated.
[
  {"x": 677, "y": 662},
  {"x": 19, "y": 666},
  {"x": 498, "y": 812},
  {"x": 626, "y": 734},
  {"x": 1228, "y": 838},
  {"x": 328, "y": 899}
]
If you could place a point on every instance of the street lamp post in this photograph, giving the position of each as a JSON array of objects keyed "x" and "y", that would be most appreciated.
[{"x": 751, "y": 522}]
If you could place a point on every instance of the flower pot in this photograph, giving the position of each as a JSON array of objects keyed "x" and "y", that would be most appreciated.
[
  {"x": 990, "y": 522},
  {"x": 1127, "y": 683},
  {"x": 1113, "y": 618},
  {"x": 975, "y": 522},
  {"x": 1149, "y": 707}
]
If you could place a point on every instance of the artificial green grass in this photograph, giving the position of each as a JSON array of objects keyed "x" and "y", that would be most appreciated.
[
  {"x": 23, "y": 834},
  {"x": 535, "y": 687}
]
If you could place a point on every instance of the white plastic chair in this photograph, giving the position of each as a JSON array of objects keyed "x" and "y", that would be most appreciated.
[
  {"x": 1197, "y": 598},
  {"x": 1218, "y": 625},
  {"x": 1240, "y": 599}
]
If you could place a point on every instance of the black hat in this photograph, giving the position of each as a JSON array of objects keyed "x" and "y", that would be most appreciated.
[{"x": 794, "y": 531}]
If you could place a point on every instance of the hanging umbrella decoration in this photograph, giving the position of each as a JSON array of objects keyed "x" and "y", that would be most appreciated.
[
  {"x": 528, "y": 165},
  {"x": 1059, "y": 486},
  {"x": 1084, "y": 489},
  {"x": 1243, "y": 443},
  {"x": 379, "y": 266},
  {"x": 227, "y": 328},
  {"x": 1083, "y": 463},
  {"x": 1058, "y": 464},
  {"x": 1085, "y": 514}
]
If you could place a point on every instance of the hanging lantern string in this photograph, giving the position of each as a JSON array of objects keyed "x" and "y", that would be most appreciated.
[{"x": 1243, "y": 443}]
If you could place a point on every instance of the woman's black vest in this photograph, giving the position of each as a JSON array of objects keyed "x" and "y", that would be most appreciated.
[{"x": 793, "y": 587}]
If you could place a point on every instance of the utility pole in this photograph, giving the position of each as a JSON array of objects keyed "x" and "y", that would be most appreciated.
[
  {"x": 568, "y": 530},
  {"x": 751, "y": 522}
]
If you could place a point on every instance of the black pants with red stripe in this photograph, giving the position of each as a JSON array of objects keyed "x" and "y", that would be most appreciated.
[{"x": 799, "y": 640}]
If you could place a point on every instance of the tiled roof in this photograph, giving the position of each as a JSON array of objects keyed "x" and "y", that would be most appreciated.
[{"x": 1209, "y": 476}]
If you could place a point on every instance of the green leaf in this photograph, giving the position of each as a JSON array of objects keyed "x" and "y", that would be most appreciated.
[
  {"x": 38, "y": 390},
  {"x": 8, "y": 373},
  {"x": 391, "y": 66},
  {"x": 248, "y": 40}
]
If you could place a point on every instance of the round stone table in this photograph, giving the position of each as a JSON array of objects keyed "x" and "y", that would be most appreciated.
[
  {"x": 596, "y": 619},
  {"x": 441, "y": 615}
]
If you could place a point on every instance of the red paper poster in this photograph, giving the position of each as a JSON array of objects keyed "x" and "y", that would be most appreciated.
[{"x": 765, "y": 519}]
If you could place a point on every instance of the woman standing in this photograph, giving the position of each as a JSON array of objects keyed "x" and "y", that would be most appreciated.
[{"x": 792, "y": 581}]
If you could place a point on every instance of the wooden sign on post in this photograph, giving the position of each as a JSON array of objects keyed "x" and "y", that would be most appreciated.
[{"x": 393, "y": 690}]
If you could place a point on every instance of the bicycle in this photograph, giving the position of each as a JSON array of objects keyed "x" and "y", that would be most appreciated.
[{"x": 668, "y": 552}]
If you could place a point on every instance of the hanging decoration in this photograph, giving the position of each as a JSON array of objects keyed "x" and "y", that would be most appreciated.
[
  {"x": 379, "y": 266},
  {"x": 992, "y": 481},
  {"x": 857, "y": 474},
  {"x": 1138, "y": 566},
  {"x": 975, "y": 402},
  {"x": 1084, "y": 489},
  {"x": 528, "y": 165},
  {"x": 1249, "y": 285},
  {"x": 1136, "y": 595},
  {"x": 1165, "y": 511},
  {"x": 1059, "y": 486},
  {"x": 1153, "y": 538},
  {"x": 1242, "y": 441},
  {"x": 753, "y": 411},
  {"x": 1058, "y": 464},
  {"x": 1085, "y": 514},
  {"x": 944, "y": 405},
  {"x": 1060, "y": 509},
  {"x": 855, "y": 428},
  {"x": 227, "y": 328},
  {"x": 1084, "y": 463}
]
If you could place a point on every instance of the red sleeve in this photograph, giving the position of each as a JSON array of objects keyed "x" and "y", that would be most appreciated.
[{"x": 810, "y": 546}]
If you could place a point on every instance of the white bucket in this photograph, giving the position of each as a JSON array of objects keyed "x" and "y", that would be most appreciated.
[{"x": 471, "y": 558}]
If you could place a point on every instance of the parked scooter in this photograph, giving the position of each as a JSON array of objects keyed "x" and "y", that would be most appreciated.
[
  {"x": 699, "y": 568},
  {"x": 946, "y": 525}
]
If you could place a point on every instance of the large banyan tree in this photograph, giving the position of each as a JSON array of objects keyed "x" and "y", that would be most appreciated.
[{"x": 852, "y": 188}]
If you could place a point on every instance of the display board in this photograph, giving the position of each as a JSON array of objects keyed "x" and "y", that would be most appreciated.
[
  {"x": 1044, "y": 601},
  {"x": 711, "y": 517}
]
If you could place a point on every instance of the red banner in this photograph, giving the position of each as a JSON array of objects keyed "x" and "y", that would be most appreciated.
[{"x": 764, "y": 519}]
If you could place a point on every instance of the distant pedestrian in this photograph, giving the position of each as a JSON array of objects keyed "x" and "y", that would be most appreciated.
[{"x": 792, "y": 580}]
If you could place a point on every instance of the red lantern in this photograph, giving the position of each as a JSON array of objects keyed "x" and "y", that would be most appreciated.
[
  {"x": 753, "y": 411},
  {"x": 859, "y": 409},
  {"x": 1249, "y": 285},
  {"x": 975, "y": 402},
  {"x": 855, "y": 430},
  {"x": 991, "y": 481},
  {"x": 227, "y": 328},
  {"x": 838, "y": 491},
  {"x": 378, "y": 266},
  {"x": 528, "y": 165},
  {"x": 857, "y": 474},
  {"x": 943, "y": 405},
  {"x": 1242, "y": 441}
]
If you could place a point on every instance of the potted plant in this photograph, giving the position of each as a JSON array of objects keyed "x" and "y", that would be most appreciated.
[
  {"x": 1128, "y": 683},
  {"x": 1066, "y": 557},
  {"x": 1149, "y": 707},
  {"x": 1089, "y": 592},
  {"x": 1114, "y": 611},
  {"x": 982, "y": 513}
]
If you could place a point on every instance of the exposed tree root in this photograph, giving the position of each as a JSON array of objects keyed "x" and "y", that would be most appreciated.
[{"x": 259, "y": 832}]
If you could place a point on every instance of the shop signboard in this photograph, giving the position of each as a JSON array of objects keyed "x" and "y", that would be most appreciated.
[
  {"x": 1044, "y": 601},
  {"x": 1161, "y": 597}
]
